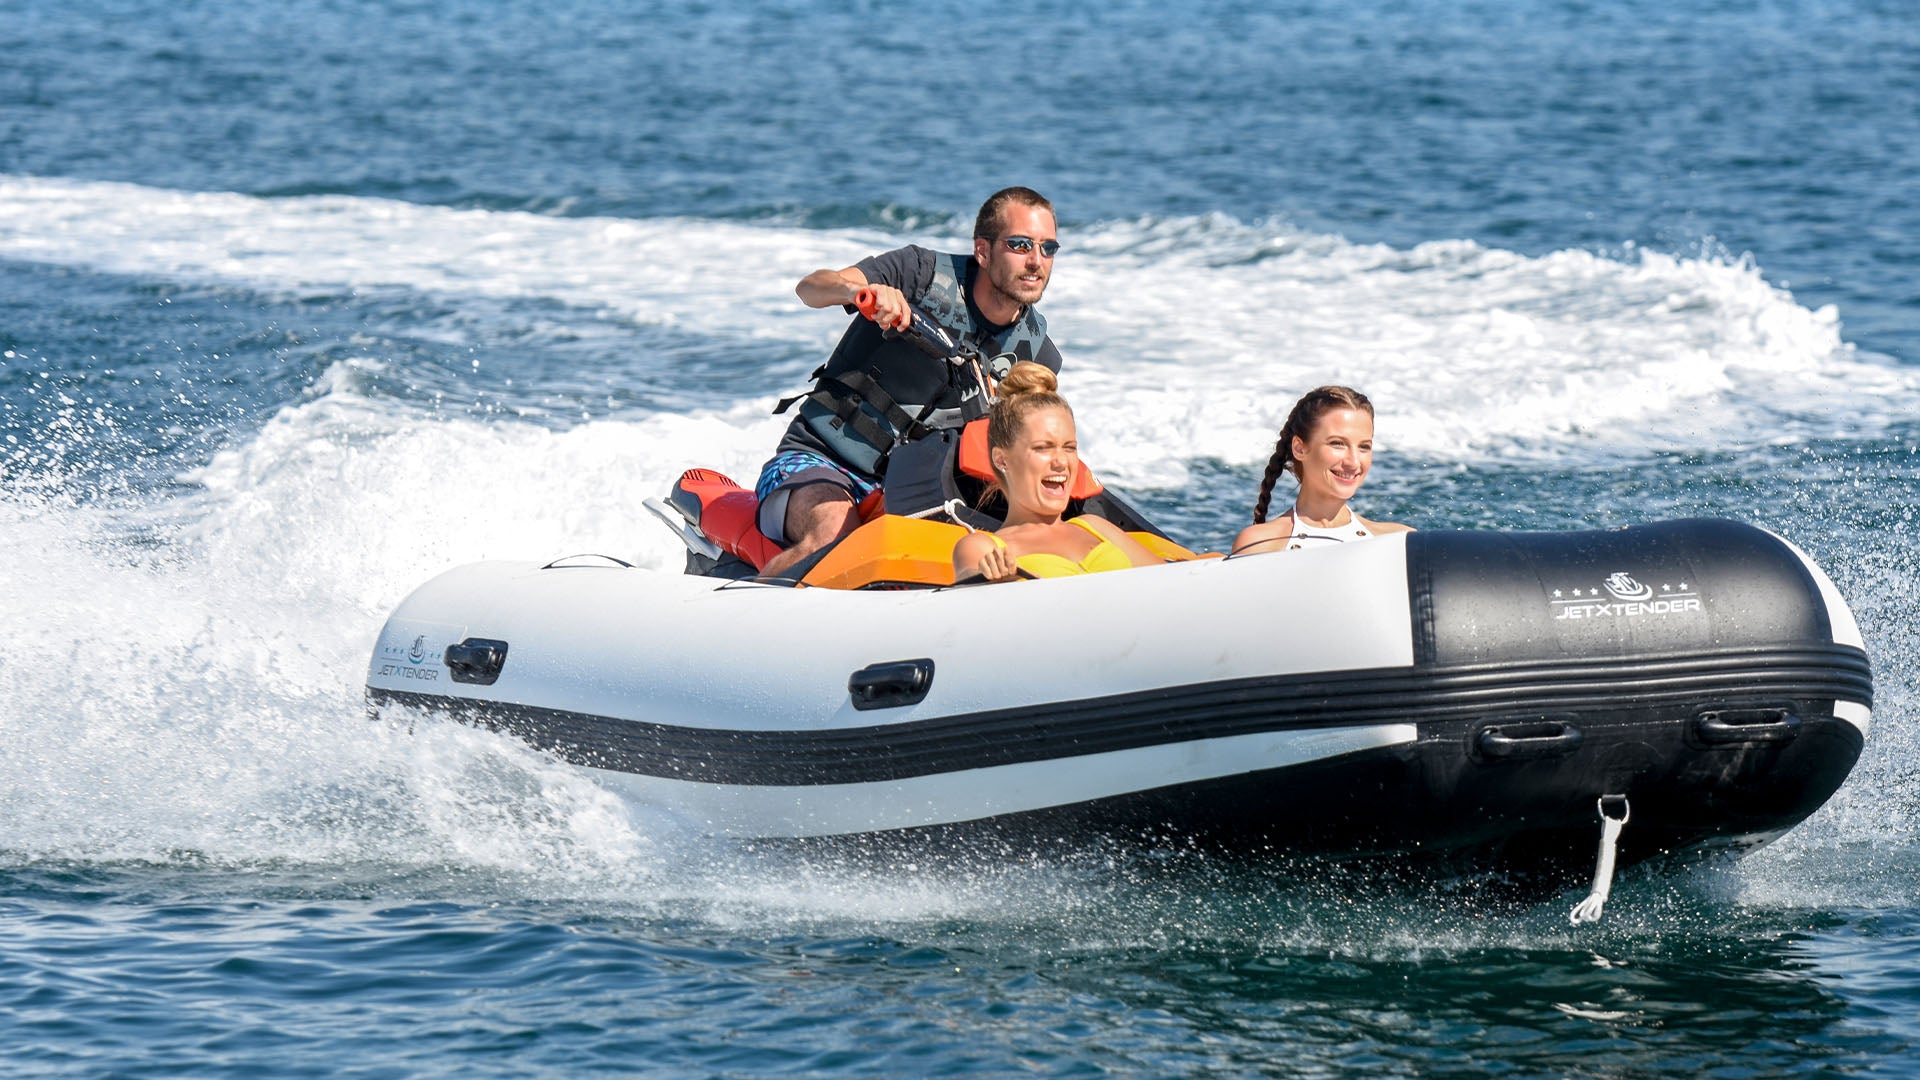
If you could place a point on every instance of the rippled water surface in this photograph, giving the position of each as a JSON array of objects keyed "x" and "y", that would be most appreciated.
[{"x": 302, "y": 303}]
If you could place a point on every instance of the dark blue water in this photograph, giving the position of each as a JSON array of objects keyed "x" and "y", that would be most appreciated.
[{"x": 301, "y": 303}]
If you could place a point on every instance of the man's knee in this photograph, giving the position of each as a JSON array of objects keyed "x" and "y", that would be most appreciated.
[{"x": 819, "y": 514}]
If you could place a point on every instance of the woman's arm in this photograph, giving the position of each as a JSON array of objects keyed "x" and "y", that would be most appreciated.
[
  {"x": 980, "y": 553},
  {"x": 1266, "y": 536}
]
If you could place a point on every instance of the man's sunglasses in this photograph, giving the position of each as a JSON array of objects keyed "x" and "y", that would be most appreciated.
[{"x": 1020, "y": 245}]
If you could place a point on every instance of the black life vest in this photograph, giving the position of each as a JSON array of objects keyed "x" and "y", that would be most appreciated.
[{"x": 898, "y": 393}]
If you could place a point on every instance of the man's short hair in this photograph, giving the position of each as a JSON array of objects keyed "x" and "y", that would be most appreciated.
[{"x": 987, "y": 225}]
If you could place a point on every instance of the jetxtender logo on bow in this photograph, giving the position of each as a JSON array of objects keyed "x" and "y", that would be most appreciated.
[
  {"x": 1621, "y": 595},
  {"x": 1623, "y": 587},
  {"x": 397, "y": 658}
]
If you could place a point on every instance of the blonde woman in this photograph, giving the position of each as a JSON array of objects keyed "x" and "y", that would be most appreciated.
[{"x": 1035, "y": 453}]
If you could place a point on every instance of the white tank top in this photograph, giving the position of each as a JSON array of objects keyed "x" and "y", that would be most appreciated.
[{"x": 1303, "y": 533}]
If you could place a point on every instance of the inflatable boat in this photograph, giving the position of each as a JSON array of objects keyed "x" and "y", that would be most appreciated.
[{"x": 1472, "y": 698}]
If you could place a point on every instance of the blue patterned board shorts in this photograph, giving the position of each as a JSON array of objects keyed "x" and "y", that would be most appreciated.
[{"x": 794, "y": 469}]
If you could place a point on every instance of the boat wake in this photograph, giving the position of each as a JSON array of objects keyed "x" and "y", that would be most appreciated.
[{"x": 1189, "y": 334}]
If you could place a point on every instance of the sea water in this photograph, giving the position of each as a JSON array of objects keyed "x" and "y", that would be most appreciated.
[{"x": 304, "y": 302}]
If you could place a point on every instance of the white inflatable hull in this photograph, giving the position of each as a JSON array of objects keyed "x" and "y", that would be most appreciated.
[{"x": 1452, "y": 694}]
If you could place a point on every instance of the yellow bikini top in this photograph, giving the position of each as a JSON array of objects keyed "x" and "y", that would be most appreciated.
[{"x": 1106, "y": 555}]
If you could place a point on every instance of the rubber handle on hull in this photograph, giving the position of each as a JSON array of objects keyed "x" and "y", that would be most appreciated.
[
  {"x": 476, "y": 660},
  {"x": 891, "y": 685},
  {"x": 1527, "y": 739},
  {"x": 1731, "y": 727}
]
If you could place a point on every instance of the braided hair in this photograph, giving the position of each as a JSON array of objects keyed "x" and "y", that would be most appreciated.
[{"x": 1300, "y": 423}]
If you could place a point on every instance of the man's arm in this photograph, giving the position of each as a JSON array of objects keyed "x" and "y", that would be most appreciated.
[
  {"x": 831, "y": 288},
  {"x": 837, "y": 288}
]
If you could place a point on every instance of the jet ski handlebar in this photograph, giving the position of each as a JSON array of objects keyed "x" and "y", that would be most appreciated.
[{"x": 930, "y": 337}]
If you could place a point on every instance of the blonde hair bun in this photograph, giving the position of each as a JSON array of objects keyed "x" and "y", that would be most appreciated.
[
  {"x": 1027, "y": 389},
  {"x": 1027, "y": 377}
]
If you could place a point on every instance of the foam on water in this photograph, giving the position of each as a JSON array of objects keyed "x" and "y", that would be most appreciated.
[
  {"x": 201, "y": 696},
  {"x": 1465, "y": 350},
  {"x": 198, "y": 701},
  {"x": 163, "y": 709},
  {"x": 710, "y": 274},
  {"x": 355, "y": 489},
  {"x": 1187, "y": 338}
]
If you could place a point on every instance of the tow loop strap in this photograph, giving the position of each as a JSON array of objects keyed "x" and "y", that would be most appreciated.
[{"x": 1588, "y": 910}]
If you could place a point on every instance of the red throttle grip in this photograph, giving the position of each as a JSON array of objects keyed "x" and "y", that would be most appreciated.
[{"x": 867, "y": 301}]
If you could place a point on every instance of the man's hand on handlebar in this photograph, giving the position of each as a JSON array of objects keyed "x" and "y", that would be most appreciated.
[{"x": 887, "y": 306}]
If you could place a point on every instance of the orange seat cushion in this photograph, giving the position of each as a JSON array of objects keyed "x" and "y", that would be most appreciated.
[{"x": 977, "y": 463}]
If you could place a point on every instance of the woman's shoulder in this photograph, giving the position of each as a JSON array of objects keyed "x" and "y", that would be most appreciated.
[
  {"x": 1384, "y": 528},
  {"x": 1278, "y": 528},
  {"x": 976, "y": 543},
  {"x": 1098, "y": 526}
]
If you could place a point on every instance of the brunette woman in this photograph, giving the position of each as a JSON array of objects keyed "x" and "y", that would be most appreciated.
[{"x": 1327, "y": 445}]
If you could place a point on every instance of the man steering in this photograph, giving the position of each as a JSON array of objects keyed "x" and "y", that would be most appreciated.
[{"x": 878, "y": 389}]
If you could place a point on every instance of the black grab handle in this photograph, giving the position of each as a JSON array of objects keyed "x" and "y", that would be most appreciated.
[
  {"x": 1517, "y": 739},
  {"x": 1733, "y": 727},
  {"x": 476, "y": 660},
  {"x": 891, "y": 685}
]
